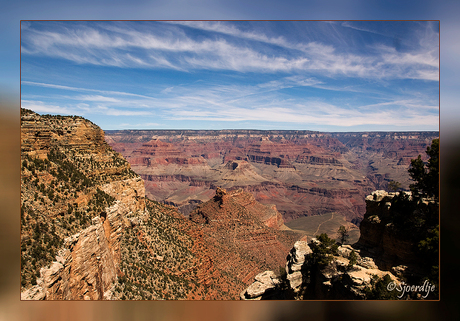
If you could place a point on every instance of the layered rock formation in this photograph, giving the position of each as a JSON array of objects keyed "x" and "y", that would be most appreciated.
[
  {"x": 302, "y": 172},
  {"x": 385, "y": 156},
  {"x": 393, "y": 226},
  {"x": 236, "y": 205},
  {"x": 244, "y": 236},
  {"x": 305, "y": 281}
]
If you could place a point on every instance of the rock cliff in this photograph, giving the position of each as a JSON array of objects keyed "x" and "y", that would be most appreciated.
[
  {"x": 244, "y": 236},
  {"x": 76, "y": 193},
  {"x": 394, "y": 225}
]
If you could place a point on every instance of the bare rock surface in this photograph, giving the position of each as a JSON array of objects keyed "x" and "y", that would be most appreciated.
[
  {"x": 304, "y": 281},
  {"x": 264, "y": 282}
]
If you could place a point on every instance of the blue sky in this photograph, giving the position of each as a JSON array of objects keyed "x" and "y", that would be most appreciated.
[{"x": 313, "y": 75}]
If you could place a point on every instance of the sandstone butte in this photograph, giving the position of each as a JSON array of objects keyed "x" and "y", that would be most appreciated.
[
  {"x": 89, "y": 233},
  {"x": 302, "y": 172}
]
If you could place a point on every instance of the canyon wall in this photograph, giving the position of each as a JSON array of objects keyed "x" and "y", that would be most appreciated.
[{"x": 89, "y": 231}]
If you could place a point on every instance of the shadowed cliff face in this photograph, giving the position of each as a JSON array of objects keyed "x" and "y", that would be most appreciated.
[
  {"x": 394, "y": 225},
  {"x": 303, "y": 173}
]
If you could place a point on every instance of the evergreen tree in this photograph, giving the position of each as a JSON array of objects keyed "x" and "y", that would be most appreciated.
[
  {"x": 393, "y": 186},
  {"x": 426, "y": 177},
  {"x": 323, "y": 251},
  {"x": 353, "y": 259},
  {"x": 343, "y": 234}
]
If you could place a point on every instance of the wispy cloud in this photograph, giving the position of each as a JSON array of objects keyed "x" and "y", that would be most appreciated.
[
  {"x": 314, "y": 114},
  {"x": 41, "y": 107},
  {"x": 108, "y": 92},
  {"x": 141, "y": 125},
  {"x": 80, "y": 109},
  {"x": 117, "y": 112},
  {"x": 258, "y": 102},
  {"x": 232, "y": 30},
  {"x": 415, "y": 104},
  {"x": 97, "y": 98},
  {"x": 170, "y": 47}
]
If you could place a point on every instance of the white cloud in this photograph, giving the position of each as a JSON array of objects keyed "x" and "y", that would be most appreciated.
[
  {"x": 97, "y": 98},
  {"x": 231, "y": 30},
  {"x": 167, "y": 90},
  {"x": 311, "y": 114},
  {"x": 117, "y": 112},
  {"x": 41, "y": 107},
  {"x": 141, "y": 125},
  {"x": 109, "y": 92},
  {"x": 259, "y": 102}
]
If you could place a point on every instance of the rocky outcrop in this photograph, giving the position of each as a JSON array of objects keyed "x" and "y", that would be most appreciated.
[
  {"x": 264, "y": 284},
  {"x": 85, "y": 269},
  {"x": 77, "y": 195},
  {"x": 389, "y": 247},
  {"x": 40, "y": 133},
  {"x": 304, "y": 280},
  {"x": 296, "y": 264},
  {"x": 236, "y": 205}
]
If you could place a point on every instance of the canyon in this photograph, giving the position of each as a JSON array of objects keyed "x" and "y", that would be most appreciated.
[
  {"x": 193, "y": 215},
  {"x": 303, "y": 173},
  {"x": 88, "y": 231}
]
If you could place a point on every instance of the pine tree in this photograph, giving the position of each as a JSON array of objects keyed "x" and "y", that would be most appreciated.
[
  {"x": 343, "y": 234},
  {"x": 426, "y": 176}
]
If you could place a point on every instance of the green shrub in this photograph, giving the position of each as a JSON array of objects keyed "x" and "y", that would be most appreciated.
[{"x": 353, "y": 259}]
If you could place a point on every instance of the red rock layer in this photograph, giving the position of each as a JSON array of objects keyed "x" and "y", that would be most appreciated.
[{"x": 242, "y": 234}]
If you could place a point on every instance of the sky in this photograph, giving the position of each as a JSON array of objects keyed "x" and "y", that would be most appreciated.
[{"x": 303, "y": 75}]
